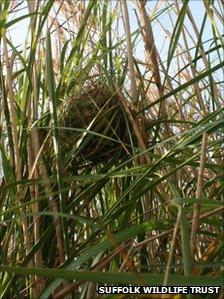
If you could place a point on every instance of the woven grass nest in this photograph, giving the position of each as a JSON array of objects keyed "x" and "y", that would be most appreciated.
[{"x": 95, "y": 108}]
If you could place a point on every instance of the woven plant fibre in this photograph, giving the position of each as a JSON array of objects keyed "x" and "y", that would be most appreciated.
[{"x": 96, "y": 109}]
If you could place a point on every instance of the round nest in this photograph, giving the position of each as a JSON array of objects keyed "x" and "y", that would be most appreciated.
[{"x": 93, "y": 124}]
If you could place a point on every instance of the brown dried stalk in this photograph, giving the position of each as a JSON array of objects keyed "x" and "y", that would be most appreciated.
[
  {"x": 18, "y": 167},
  {"x": 129, "y": 49},
  {"x": 199, "y": 189},
  {"x": 172, "y": 247},
  {"x": 151, "y": 52},
  {"x": 139, "y": 123}
]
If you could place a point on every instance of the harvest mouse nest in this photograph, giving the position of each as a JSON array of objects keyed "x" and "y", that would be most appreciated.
[{"x": 93, "y": 124}]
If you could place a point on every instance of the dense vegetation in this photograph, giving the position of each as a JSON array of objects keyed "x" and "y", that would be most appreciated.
[{"x": 112, "y": 148}]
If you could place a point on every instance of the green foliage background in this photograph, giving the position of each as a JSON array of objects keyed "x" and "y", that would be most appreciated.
[{"x": 151, "y": 211}]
